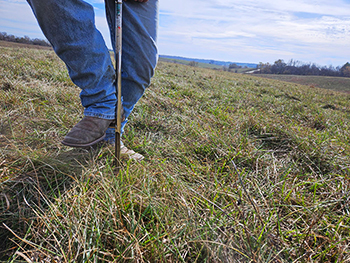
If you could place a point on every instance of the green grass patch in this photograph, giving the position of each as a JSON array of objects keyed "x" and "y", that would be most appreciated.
[
  {"x": 330, "y": 83},
  {"x": 186, "y": 62},
  {"x": 238, "y": 168},
  {"x": 194, "y": 65}
]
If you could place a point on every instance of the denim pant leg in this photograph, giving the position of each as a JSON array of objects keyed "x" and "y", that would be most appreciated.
[
  {"x": 139, "y": 50},
  {"x": 69, "y": 25}
]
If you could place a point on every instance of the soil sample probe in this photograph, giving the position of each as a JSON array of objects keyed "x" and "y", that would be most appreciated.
[{"x": 118, "y": 80}]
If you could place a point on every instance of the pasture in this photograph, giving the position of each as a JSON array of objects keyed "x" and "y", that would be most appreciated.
[
  {"x": 324, "y": 82},
  {"x": 238, "y": 168}
]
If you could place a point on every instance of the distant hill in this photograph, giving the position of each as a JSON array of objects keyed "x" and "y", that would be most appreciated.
[{"x": 210, "y": 61}]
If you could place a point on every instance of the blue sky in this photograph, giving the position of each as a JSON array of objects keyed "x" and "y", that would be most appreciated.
[{"x": 231, "y": 30}]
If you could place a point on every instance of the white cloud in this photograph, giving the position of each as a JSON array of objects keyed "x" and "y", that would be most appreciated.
[
  {"x": 16, "y": 18},
  {"x": 235, "y": 30},
  {"x": 266, "y": 29}
]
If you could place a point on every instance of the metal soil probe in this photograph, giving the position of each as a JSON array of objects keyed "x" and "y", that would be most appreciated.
[{"x": 118, "y": 70}]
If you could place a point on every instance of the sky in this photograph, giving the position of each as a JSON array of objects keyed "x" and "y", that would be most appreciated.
[{"x": 250, "y": 31}]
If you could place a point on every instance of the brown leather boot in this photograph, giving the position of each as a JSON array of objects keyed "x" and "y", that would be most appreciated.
[{"x": 87, "y": 132}]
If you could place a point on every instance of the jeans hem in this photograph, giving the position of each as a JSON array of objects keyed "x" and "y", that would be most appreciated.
[{"x": 99, "y": 115}]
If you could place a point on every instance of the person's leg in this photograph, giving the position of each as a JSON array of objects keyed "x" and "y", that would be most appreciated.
[
  {"x": 139, "y": 50},
  {"x": 69, "y": 25}
]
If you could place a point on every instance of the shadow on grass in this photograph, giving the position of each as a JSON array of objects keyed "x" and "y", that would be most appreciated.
[{"x": 28, "y": 181}]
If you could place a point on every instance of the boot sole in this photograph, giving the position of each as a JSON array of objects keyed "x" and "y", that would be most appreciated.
[{"x": 85, "y": 144}]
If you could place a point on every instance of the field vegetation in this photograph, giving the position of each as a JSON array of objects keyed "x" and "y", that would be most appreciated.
[
  {"x": 4, "y": 43},
  {"x": 190, "y": 63},
  {"x": 194, "y": 64},
  {"x": 238, "y": 168},
  {"x": 341, "y": 84}
]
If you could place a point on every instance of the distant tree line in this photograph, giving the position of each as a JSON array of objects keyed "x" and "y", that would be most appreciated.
[
  {"x": 233, "y": 67},
  {"x": 24, "y": 40},
  {"x": 294, "y": 67}
]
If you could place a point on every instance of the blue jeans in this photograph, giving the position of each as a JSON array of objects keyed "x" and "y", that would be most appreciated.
[{"x": 69, "y": 25}]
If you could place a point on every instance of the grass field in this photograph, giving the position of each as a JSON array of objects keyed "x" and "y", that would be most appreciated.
[
  {"x": 185, "y": 62},
  {"x": 331, "y": 83},
  {"x": 201, "y": 65},
  {"x": 21, "y": 45},
  {"x": 238, "y": 168}
]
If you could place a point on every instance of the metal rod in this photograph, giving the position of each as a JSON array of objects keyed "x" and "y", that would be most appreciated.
[{"x": 118, "y": 83}]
